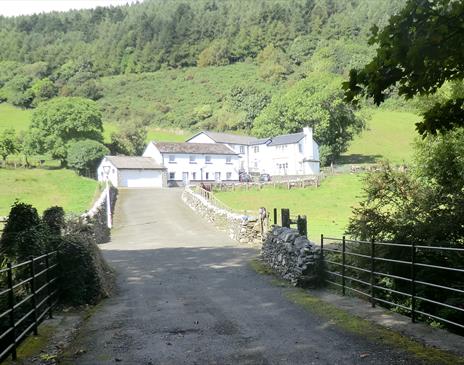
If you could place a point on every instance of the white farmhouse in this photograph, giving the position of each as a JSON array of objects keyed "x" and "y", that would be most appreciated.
[
  {"x": 132, "y": 172},
  {"x": 290, "y": 154},
  {"x": 195, "y": 162}
]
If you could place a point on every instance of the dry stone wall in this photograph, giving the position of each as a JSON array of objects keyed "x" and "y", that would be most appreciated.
[
  {"x": 96, "y": 217},
  {"x": 293, "y": 256},
  {"x": 242, "y": 228}
]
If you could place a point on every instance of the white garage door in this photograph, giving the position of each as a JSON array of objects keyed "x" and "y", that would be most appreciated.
[{"x": 141, "y": 178}]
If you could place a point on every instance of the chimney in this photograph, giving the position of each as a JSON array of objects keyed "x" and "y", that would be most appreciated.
[{"x": 308, "y": 132}]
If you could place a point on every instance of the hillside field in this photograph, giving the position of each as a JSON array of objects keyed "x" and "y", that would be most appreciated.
[
  {"x": 389, "y": 135},
  {"x": 45, "y": 188},
  {"x": 12, "y": 117},
  {"x": 327, "y": 207}
]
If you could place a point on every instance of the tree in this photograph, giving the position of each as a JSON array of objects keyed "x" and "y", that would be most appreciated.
[
  {"x": 417, "y": 53},
  {"x": 85, "y": 155},
  {"x": 8, "y": 143},
  {"x": 216, "y": 54},
  {"x": 130, "y": 141},
  {"x": 58, "y": 122},
  {"x": 273, "y": 63},
  {"x": 249, "y": 100},
  {"x": 43, "y": 89},
  {"x": 317, "y": 102}
]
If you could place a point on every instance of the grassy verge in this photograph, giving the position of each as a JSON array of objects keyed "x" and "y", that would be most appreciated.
[
  {"x": 44, "y": 188},
  {"x": 11, "y": 117},
  {"x": 356, "y": 325},
  {"x": 328, "y": 207}
]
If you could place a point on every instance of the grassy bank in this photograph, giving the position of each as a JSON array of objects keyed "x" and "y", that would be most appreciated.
[
  {"x": 389, "y": 135},
  {"x": 44, "y": 188},
  {"x": 328, "y": 207}
]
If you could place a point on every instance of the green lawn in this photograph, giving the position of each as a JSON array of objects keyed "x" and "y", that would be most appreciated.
[
  {"x": 44, "y": 188},
  {"x": 389, "y": 135},
  {"x": 12, "y": 117},
  {"x": 328, "y": 207}
]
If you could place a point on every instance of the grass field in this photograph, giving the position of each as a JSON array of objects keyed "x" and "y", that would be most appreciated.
[
  {"x": 389, "y": 135},
  {"x": 44, "y": 188},
  {"x": 327, "y": 207},
  {"x": 12, "y": 117}
]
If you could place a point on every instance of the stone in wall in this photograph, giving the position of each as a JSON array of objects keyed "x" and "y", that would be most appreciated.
[
  {"x": 293, "y": 256},
  {"x": 241, "y": 228}
]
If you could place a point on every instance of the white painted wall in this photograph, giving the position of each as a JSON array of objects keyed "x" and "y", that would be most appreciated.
[
  {"x": 140, "y": 178},
  {"x": 130, "y": 178},
  {"x": 113, "y": 175},
  {"x": 292, "y": 159}
]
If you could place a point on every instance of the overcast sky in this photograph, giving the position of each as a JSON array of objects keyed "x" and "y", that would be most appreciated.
[{"x": 26, "y": 7}]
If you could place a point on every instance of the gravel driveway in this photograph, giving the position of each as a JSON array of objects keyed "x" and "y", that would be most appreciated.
[{"x": 186, "y": 295}]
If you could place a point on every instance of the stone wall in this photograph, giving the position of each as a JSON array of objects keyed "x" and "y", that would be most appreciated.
[
  {"x": 242, "y": 228},
  {"x": 96, "y": 217},
  {"x": 293, "y": 256}
]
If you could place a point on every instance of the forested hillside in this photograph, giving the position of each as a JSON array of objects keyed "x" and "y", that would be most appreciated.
[
  {"x": 260, "y": 67},
  {"x": 178, "y": 33}
]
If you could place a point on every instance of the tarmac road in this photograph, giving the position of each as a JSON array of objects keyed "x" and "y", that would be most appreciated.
[{"x": 186, "y": 295}]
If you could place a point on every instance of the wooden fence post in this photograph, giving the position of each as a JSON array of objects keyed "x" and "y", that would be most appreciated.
[
  {"x": 49, "y": 291},
  {"x": 302, "y": 225},
  {"x": 275, "y": 216},
  {"x": 285, "y": 216},
  {"x": 372, "y": 273}
]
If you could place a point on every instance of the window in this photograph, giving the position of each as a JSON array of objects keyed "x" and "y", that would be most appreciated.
[
  {"x": 242, "y": 149},
  {"x": 286, "y": 165},
  {"x": 172, "y": 159},
  {"x": 256, "y": 149},
  {"x": 207, "y": 159},
  {"x": 228, "y": 159},
  {"x": 194, "y": 175},
  {"x": 300, "y": 148},
  {"x": 172, "y": 175},
  {"x": 229, "y": 176},
  {"x": 207, "y": 176},
  {"x": 192, "y": 159},
  {"x": 256, "y": 164}
]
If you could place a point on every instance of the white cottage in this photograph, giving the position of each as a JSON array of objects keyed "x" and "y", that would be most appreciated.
[
  {"x": 132, "y": 172},
  {"x": 195, "y": 162},
  {"x": 290, "y": 154}
]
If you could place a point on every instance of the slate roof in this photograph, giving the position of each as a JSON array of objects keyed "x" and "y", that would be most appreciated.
[
  {"x": 194, "y": 148},
  {"x": 227, "y": 138},
  {"x": 286, "y": 139},
  {"x": 260, "y": 141},
  {"x": 134, "y": 163}
]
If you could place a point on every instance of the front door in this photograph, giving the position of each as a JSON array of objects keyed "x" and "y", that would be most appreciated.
[
  {"x": 217, "y": 176},
  {"x": 185, "y": 178}
]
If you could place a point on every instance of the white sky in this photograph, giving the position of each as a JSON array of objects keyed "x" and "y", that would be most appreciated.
[{"x": 27, "y": 7}]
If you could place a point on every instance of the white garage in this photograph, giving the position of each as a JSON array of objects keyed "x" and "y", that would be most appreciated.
[{"x": 132, "y": 172}]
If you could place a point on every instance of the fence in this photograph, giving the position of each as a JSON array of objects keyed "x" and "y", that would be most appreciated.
[
  {"x": 418, "y": 276},
  {"x": 209, "y": 195},
  {"x": 28, "y": 293},
  {"x": 286, "y": 221}
]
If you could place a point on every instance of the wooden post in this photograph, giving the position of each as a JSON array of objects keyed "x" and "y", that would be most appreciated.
[
  {"x": 275, "y": 216},
  {"x": 372, "y": 273},
  {"x": 285, "y": 216},
  {"x": 302, "y": 225},
  {"x": 343, "y": 264},
  {"x": 49, "y": 291}
]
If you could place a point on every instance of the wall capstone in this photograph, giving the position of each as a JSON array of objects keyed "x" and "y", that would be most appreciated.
[
  {"x": 96, "y": 216},
  {"x": 293, "y": 256},
  {"x": 241, "y": 228}
]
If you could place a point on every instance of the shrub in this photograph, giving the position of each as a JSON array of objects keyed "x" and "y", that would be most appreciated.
[
  {"x": 24, "y": 234},
  {"x": 85, "y": 155},
  {"x": 84, "y": 276}
]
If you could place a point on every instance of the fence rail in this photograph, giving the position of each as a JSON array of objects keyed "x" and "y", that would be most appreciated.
[
  {"x": 28, "y": 294},
  {"x": 356, "y": 266}
]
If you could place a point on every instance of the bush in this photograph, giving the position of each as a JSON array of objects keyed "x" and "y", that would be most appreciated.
[
  {"x": 53, "y": 218},
  {"x": 84, "y": 276},
  {"x": 24, "y": 234},
  {"x": 86, "y": 155}
]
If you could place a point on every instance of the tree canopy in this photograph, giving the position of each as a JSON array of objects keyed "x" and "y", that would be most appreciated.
[
  {"x": 417, "y": 52},
  {"x": 58, "y": 122},
  {"x": 315, "y": 101}
]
